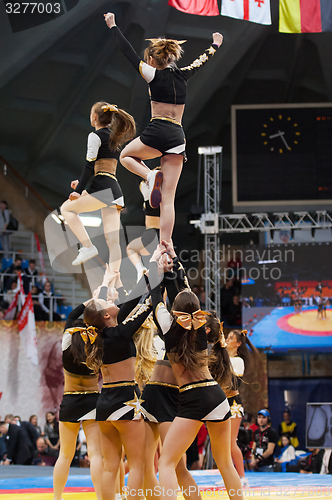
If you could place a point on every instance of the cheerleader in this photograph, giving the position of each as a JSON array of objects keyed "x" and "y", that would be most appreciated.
[
  {"x": 242, "y": 360},
  {"x": 146, "y": 244},
  {"x": 161, "y": 400},
  {"x": 201, "y": 397},
  {"x": 164, "y": 136},
  {"x": 113, "y": 127},
  {"x": 119, "y": 412},
  {"x": 78, "y": 405}
]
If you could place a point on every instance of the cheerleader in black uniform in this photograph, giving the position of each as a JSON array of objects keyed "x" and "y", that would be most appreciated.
[
  {"x": 119, "y": 412},
  {"x": 201, "y": 397},
  {"x": 78, "y": 405},
  {"x": 242, "y": 360},
  {"x": 147, "y": 243},
  {"x": 164, "y": 136},
  {"x": 113, "y": 127},
  {"x": 161, "y": 400}
]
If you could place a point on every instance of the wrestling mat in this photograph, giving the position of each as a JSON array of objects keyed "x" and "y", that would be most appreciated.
[
  {"x": 32, "y": 483},
  {"x": 282, "y": 328}
]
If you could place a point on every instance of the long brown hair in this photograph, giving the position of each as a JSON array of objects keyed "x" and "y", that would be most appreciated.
[
  {"x": 246, "y": 350},
  {"x": 94, "y": 352},
  {"x": 219, "y": 362},
  {"x": 164, "y": 52},
  {"x": 185, "y": 351},
  {"x": 120, "y": 123}
]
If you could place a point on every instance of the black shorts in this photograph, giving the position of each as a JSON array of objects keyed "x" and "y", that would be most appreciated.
[
  {"x": 77, "y": 407},
  {"x": 165, "y": 136},
  {"x": 205, "y": 401},
  {"x": 119, "y": 401},
  {"x": 106, "y": 189},
  {"x": 236, "y": 406},
  {"x": 160, "y": 402},
  {"x": 150, "y": 239}
]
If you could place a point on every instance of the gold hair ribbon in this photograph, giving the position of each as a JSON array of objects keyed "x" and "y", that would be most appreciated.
[
  {"x": 221, "y": 339},
  {"x": 189, "y": 321},
  {"x": 90, "y": 332},
  {"x": 244, "y": 332},
  {"x": 110, "y": 107},
  {"x": 154, "y": 40}
]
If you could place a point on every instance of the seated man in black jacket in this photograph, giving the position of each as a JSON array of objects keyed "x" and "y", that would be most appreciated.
[{"x": 20, "y": 442}]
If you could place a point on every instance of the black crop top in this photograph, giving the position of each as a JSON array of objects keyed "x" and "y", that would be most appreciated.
[
  {"x": 118, "y": 342},
  {"x": 68, "y": 362},
  {"x": 97, "y": 149},
  {"x": 166, "y": 320},
  {"x": 168, "y": 85}
]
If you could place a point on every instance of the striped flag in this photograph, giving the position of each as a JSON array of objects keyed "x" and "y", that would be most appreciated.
[
  {"x": 305, "y": 16},
  {"x": 198, "y": 7},
  {"x": 256, "y": 11}
]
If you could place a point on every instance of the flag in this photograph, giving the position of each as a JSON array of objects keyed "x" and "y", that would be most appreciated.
[
  {"x": 27, "y": 329},
  {"x": 11, "y": 311},
  {"x": 305, "y": 16},
  {"x": 40, "y": 255},
  {"x": 198, "y": 7},
  {"x": 256, "y": 11}
]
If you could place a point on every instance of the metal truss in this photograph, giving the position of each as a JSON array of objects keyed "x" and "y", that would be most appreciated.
[
  {"x": 244, "y": 223},
  {"x": 210, "y": 224}
]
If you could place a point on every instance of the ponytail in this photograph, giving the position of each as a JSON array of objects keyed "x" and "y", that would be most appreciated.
[
  {"x": 165, "y": 52},
  {"x": 219, "y": 362},
  {"x": 94, "y": 350},
  {"x": 146, "y": 355},
  {"x": 247, "y": 351},
  {"x": 120, "y": 123}
]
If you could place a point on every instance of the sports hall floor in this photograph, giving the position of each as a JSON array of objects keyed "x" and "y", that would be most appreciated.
[{"x": 35, "y": 483}]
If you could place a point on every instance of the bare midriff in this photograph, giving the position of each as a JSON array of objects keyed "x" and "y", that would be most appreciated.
[
  {"x": 184, "y": 376},
  {"x": 80, "y": 383},
  {"x": 118, "y": 372},
  {"x": 163, "y": 373},
  {"x": 166, "y": 110},
  {"x": 152, "y": 222}
]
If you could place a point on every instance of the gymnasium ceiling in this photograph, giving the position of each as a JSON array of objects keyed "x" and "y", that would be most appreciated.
[{"x": 50, "y": 75}]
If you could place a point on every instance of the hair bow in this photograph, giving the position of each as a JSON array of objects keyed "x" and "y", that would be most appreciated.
[
  {"x": 244, "y": 332},
  {"x": 149, "y": 323},
  {"x": 89, "y": 332},
  {"x": 154, "y": 40},
  {"x": 110, "y": 107},
  {"x": 191, "y": 320}
]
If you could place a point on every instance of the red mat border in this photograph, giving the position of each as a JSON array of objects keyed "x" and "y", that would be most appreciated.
[{"x": 283, "y": 324}]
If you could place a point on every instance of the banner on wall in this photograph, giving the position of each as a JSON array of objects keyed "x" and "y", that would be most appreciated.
[
  {"x": 256, "y": 11},
  {"x": 28, "y": 388},
  {"x": 305, "y": 16},
  {"x": 198, "y": 7}
]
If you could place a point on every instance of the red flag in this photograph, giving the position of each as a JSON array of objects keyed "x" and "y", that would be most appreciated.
[
  {"x": 198, "y": 7},
  {"x": 40, "y": 255},
  {"x": 27, "y": 328}
]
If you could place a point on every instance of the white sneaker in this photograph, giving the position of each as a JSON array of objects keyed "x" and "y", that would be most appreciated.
[
  {"x": 144, "y": 189},
  {"x": 155, "y": 179},
  {"x": 245, "y": 482},
  {"x": 85, "y": 254}
]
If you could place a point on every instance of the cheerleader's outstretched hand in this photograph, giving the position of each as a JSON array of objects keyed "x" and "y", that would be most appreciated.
[
  {"x": 110, "y": 19},
  {"x": 217, "y": 38}
]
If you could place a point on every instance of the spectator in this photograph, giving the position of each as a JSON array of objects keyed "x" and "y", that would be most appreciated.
[
  {"x": 311, "y": 464},
  {"x": 265, "y": 440},
  {"x": 31, "y": 272},
  {"x": 10, "y": 294},
  {"x": 51, "y": 431},
  {"x": 287, "y": 454},
  {"x": 4, "y": 221},
  {"x": 17, "y": 420},
  {"x": 10, "y": 270},
  {"x": 233, "y": 312},
  {"x": 40, "y": 314},
  {"x": 34, "y": 421},
  {"x": 45, "y": 301},
  {"x": 20, "y": 442},
  {"x": 290, "y": 428},
  {"x": 25, "y": 279},
  {"x": 44, "y": 455}
]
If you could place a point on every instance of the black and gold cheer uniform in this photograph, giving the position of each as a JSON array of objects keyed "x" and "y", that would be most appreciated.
[
  {"x": 121, "y": 400},
  {"x": 203, "y": 400},
  {"x": 101, "y": 164},
  {"x": 76, "y": 405},
  {"x": 233, "y": 396},
  {"x": 168, "y": 86}
]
